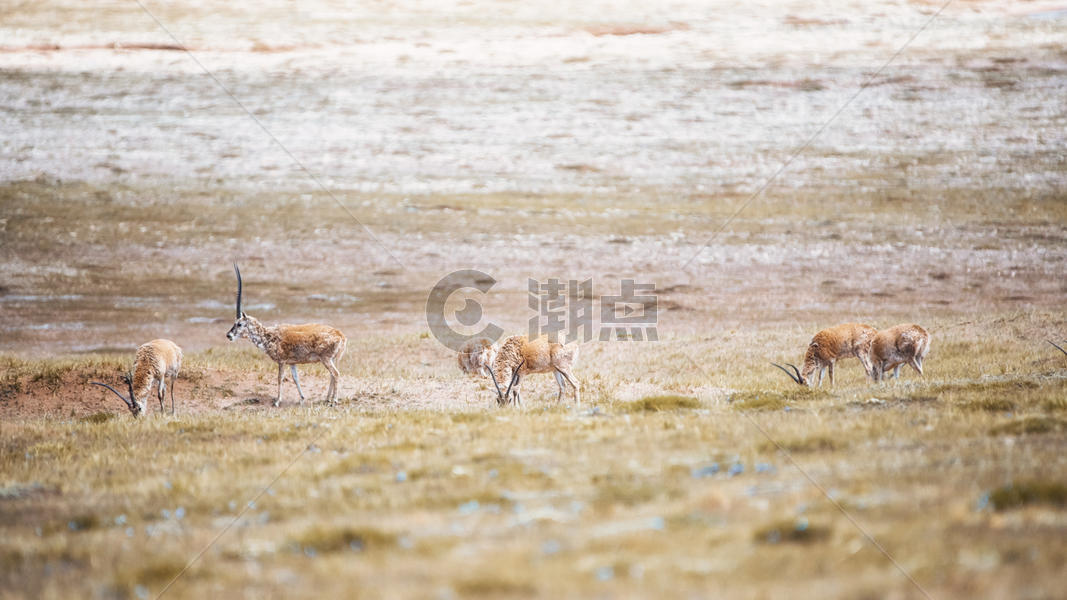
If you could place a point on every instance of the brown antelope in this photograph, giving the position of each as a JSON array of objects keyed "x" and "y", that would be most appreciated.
[
  {"x": 476, "y": 356},
  {"x": 519, "y": 356},
  {"x": 155, "y": 360},
  {"x": 897, "y": 345},
  {"x": 292, "y": 345},
  {"x": 830, "y": 345}
]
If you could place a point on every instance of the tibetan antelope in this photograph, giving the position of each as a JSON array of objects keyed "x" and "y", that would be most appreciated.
[
  {"x": 830, "y": 345},
  {"x": 154, "y": 362},
  {"x": 519, "y": 356},
  {"x": 292, "y": 345},
  {"x": 897, "y": 345},
  {"x": 476, "y": 356}
]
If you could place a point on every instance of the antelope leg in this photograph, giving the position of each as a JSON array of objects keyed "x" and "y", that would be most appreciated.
[
  {"x": 278, "y": 400},
  {"x": 296, "y": 380}
]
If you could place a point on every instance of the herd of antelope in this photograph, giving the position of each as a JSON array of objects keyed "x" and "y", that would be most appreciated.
[
  {"x": 518, "y": 356},
  {"x": 285, "y": 344},
  {"x": 313, "y": 342},
  {"x": 879, "y": 352}
]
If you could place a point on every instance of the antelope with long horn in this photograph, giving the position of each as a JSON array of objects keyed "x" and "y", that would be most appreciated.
[
  {"x": 137, "y": 408},
  {"x": 891, "y": 348},
  {"x": 155, "y": 361},
  {"x": 514, "y": 379},
  {"x": 831, "y": 345},
  {"x": 292, "y": 345},
  {"x": 520, "y": 356}
]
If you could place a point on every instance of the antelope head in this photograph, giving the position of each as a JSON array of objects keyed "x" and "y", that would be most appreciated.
[
  {"x": 798, "y": 378},
  {"x": 131, "y": 403},
  {"x": 241, "y": 322}
]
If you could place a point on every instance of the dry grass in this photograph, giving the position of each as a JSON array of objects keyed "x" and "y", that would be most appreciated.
[
  {"x": 50, "y": 372},
  {"x": 542, "y": 501},
  {"x": 322, "y": 539},
  {"x": 815, "y": 443},
  {"x": 798, "y": 531},
  {"x": 1030, "y": 424},
  {"x": 1021, "y": 493},
  {"x": 661, "y": 403}
]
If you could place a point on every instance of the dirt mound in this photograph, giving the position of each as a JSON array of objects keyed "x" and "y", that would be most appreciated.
[{"x": 69, "y": 394}]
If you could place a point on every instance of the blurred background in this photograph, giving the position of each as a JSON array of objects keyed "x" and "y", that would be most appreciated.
[{"x": 352, "y": 154}]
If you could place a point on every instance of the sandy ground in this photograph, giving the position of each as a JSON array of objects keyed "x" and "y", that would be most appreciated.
[{"x": 481, "y": 97}]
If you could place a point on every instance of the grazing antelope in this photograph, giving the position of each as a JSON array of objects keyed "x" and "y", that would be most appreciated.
[
  {"x": 476, "y": 356},
  {"x": 154, "y": 362},
  {"x": 519, "y": 356},
  {"x": 292, "y": 345},
  {"x": 897, "y": 345},
  {"x": 830, "y": 345}
]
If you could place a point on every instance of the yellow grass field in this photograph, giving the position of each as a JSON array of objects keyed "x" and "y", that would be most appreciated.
[{"x": 349, "y": 157}]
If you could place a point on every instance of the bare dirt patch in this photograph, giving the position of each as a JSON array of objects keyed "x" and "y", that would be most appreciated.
[{"x": 69, "y": 395}]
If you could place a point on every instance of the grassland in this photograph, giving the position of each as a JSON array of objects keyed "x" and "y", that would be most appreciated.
[
  {"x": 685, "y": 472},
  {"x": 959, "y": 476},
  {"x": 563, "y": 141}
]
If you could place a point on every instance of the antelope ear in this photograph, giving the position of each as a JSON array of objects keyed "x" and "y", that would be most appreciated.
[{"x": 243, "y": 315}]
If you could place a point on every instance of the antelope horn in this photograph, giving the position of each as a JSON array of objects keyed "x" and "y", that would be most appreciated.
[
  {"x": 128, "y": 403},
  {"x": 514, "y": 378},
  {"x": 499, "y": 396},
  {"x": 796, "y": 379},
  {"x": 238, "y": 271},
  {"x": 1057, "y": 346}
]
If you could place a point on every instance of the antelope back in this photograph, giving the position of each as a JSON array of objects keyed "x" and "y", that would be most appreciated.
[
  {"x": 310, "y": 342},
  {"x": 168, "y": 353},
  {"x": 840, "y": 341},
  {"x": 901, "y": 342},
  {"x": 539, "y": 355}
]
